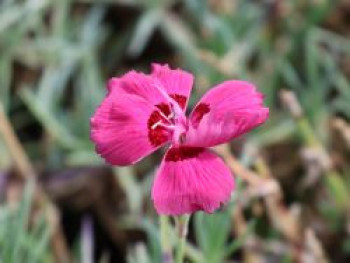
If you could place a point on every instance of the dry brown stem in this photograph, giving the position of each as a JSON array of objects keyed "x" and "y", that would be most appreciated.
[
  {"x": 287, "y": 221},
  {"x": 240, "y": 228},
  {"x": 343, "y": 128}
]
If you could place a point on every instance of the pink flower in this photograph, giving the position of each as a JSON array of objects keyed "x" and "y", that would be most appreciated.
[{"x": 141, "y": 113}]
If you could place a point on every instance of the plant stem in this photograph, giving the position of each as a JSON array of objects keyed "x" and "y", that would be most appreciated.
[
  {"x": 164, "y": 237},
  {"x": 182, "y": 229},
  {"x": 14, "y": 147}
]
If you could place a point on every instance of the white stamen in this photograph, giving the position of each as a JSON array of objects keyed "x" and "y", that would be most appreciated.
[
  {"x": 171, "y": 115},
  {"x": 176, "y": 109},
  {"x": 160, "y": 124},
  {"x": 164, "y": 116}
]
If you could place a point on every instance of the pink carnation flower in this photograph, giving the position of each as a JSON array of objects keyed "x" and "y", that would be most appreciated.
[{"x": 141, "y": 113}]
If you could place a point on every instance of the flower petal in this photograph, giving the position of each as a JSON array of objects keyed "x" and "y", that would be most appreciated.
[
  {"x": 178, "y": 83},
  {"x": 123, "y": 129},
  {"x": 141, "y": 85},
  {"x": 225, "y": 112},
  {"x": 191, "y": 179},
  {"x": 155, "y": 88}
]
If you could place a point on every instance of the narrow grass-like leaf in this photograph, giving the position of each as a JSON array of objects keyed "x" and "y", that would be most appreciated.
[{"x": 144, "y": 29}]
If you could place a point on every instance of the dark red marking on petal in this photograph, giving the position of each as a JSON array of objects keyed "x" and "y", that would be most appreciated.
[
  {"x": 157, "y": 135},
  {"x": 165, "y": 108},
  {"x": 180, "y": 99},
  {"x": 198, "y": 113},
  {"x": 197, "y": 207},
  {"x": 182, "y": 153}
]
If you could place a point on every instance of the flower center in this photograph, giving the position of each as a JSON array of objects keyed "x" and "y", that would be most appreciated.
[
  {"x": 157, "y": 132},
  {"x": 168, "y": 122}
]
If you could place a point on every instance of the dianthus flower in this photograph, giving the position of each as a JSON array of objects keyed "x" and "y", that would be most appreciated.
[{"x": 141, "y": 113}]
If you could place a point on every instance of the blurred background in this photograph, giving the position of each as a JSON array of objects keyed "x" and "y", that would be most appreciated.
[{"x": 61, "y": 203}]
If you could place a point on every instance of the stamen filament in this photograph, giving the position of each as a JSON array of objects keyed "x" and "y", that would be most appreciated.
[
  {"x": 161, "y": 124},
  {"x": 164, "y": 116},
  {"x": 175, "y": 106}
]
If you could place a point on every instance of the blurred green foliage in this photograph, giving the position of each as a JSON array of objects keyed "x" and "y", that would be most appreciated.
[
  {"x": 20, "y": 242},
  {"x": 55, "y": 57}
]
